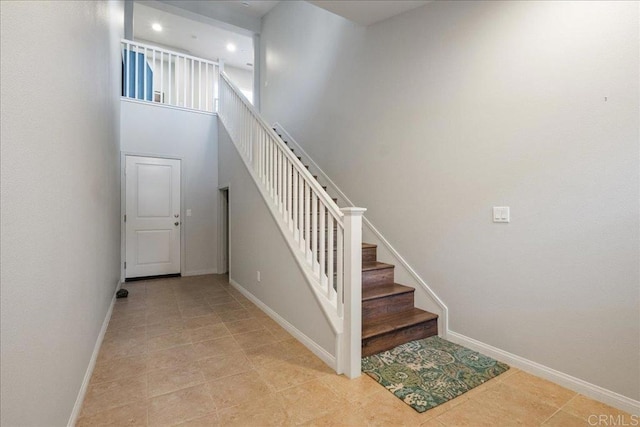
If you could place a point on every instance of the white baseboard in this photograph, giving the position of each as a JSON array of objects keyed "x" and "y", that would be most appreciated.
[
  {"x": 323, "y": 354},
  {"x": 576, "y": 384},
  {"x": 92, "y": 362},
  {"x": 200, "y": 272}
]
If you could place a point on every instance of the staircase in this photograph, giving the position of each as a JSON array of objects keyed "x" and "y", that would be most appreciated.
[{"x": 389, "y": 317}]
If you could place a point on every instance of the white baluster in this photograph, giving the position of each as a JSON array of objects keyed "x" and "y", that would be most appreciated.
[
  {"x": 184, "y": 81},
  {"x": 243, "y": 130},
  {"x": 274, "y": 183},
  {"x": 294, "y": 202},
  {"x": 277, "y": 176},
  {"x": 178, "y": 70},
  {"x": 258, "y": 146},
  {"x": 136, "y": 90},
  {"x": 265, "y": 158},
  {"x": 307, "y": 221},
  {"x": 162, "y": 97},
  {"x": 283, "y": 178},
  {"x": 330, "y": 290},
  {"x": 323, "y": 247},
  {"x": 255, "y": 147},
  {"x": 314, "y": 231},
  {"x": 288, "y": 199},
  {"x": 200, "y": 89},
  {"x": 153, "y": 73},
  {"x": 169, "y": 69},
  {"x": 262, "y": 155},
  {"x": 128, "y": 62},
  {"x": 247, "y": 134},
  {"x": 268, "y": 165},
  {"x": 300, "y": 212},
  {"x": 268, "y": 158},
  {"x": 144, "y": 75}
]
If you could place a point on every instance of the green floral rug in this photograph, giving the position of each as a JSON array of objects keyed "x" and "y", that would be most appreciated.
[{"x": 428, "y": 372}]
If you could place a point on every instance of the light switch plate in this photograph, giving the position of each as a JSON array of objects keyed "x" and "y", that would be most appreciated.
[
  {"x": 188, "y": 212},
  {"x": 501, "y": 214}
]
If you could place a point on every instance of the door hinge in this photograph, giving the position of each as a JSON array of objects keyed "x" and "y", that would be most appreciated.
[
  {"x": 125, "y": 218},
  {"x": 125, "y": 265}
]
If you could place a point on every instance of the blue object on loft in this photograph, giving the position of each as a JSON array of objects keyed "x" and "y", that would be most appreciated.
[{"x": 136, "y": 88}]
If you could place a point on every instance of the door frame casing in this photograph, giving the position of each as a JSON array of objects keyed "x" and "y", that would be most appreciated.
[
  {"x": 123, "y": 206},
  {"x": 221, "y": 230}
]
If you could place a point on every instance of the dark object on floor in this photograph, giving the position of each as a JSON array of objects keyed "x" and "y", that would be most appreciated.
[{"x": 122, "y": 293}]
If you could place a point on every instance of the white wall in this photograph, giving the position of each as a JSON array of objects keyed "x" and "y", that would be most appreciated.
[
  {"x": 241, "y": 78},
  {"x": 455, "y": 107},
  {"x": 60, "y": 188},
  {"x": 152, "y": 130},
  {"x": 256, "y": 244}
]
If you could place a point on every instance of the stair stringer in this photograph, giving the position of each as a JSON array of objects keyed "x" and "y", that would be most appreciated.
[{"x": 426, "y": 298}]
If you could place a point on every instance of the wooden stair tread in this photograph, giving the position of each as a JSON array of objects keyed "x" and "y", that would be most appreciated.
[
  {"x": 396, "y": 321},
  {"x": 376, "y": 266},
  {"x": 385, "y": 291}
]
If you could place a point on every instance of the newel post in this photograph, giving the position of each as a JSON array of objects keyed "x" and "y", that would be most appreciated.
[{"x": 352, "y": 334}]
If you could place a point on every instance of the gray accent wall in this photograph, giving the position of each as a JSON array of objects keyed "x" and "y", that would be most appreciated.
[
  {"x": 156, "y": 131},
  {"x": 60, "y": 185},
  {"x": 431, "y": 118}
]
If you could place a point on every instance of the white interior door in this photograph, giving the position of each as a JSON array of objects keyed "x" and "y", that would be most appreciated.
[{"x": 152, "y": 223}]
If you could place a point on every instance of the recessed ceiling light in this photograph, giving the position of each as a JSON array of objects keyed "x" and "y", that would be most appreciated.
[
  {"x": 245, "y": 3},
  {"x": 156, "y": 27},
  {"x": 231, "y": 47}
]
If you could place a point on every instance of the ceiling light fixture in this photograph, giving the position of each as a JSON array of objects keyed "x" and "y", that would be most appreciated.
[
  {"x": 156, "y": 27},
  {"x": 231, "y": 47}
]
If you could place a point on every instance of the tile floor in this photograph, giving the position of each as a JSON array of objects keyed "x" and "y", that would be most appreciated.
[{"x": 194, "y": 352}]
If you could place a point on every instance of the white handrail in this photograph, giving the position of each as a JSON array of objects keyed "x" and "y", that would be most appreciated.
[
  {"x": 328, "y": 201},
  {"x": 326, "y": 241},
  {"x": 162, "y": 76}
]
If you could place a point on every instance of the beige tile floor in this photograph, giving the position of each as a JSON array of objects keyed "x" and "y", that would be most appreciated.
[{"x": 194, "y": 352}]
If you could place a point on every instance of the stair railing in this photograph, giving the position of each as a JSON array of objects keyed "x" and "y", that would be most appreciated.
[
  {"x": 326, "y": 240},
  {"x": 157, "y": 75}
]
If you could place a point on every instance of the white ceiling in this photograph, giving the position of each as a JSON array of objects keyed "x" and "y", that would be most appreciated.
[
  {"x": 198, "y": 37},
  {"x": 365, "y": 12},
  {"x": 254, "y": 8},
  {"x": 178, "y": 34}
]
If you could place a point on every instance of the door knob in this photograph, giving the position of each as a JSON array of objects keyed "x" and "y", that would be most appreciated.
[{"x": 176, "y": 224}]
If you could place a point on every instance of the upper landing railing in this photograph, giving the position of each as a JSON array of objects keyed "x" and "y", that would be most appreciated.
[{"x": 161, "y": 76}]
